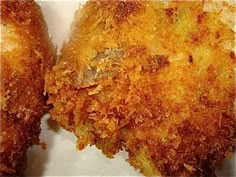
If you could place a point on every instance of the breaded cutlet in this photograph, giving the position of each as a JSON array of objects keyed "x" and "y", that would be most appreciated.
[
  {"x": 26, "y": 55},
  {"x": 153, "y": 78}
]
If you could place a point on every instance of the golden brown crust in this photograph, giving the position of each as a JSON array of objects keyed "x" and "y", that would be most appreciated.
[
  {"x": 154, "y": 78},
  {"x": 26, "y": 55}
]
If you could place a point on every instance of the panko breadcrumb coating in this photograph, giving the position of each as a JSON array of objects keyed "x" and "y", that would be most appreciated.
[
  {"x": 153, "y": 78},
  {"x": 26, "y": 55}
]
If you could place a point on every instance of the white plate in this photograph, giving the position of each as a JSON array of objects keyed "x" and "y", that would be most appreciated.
[{"x": 61, "y": 157}]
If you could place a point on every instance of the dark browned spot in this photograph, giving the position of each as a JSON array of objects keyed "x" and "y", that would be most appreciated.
[
  {"x": 205, "y": 101},
  {"x": 194, "y": 38},
  {"x": 156, "y": 62},
  {"x": 124, "y": 9},
  {"x": 171, "y": 14},
  {"x": 232, "y": 55},
  {"x": 162, "y": 60},
  {"x": 199, "y": 35},
  {"x": 186, "y": 129},
  {"x": 190, "y": 59},
  {"x": 201, "y": 17},
  {"x": 217, "y": 35},
  {"x": 71, "y": 121}
]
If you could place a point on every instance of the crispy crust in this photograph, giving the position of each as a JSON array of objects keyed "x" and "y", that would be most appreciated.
[
  {"x": 26, "y": 55},
  {"x": 154, "y": 78}
]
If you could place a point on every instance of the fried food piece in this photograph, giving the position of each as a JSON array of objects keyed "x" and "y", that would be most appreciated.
[
  {"x": 26, "y": 55},
  {"x": 153, "y": 78}
]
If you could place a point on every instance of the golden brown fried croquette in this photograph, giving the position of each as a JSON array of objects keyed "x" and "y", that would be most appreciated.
[
  {"x": 26, "y": 55},
  {"x": 153, "y": 78}
]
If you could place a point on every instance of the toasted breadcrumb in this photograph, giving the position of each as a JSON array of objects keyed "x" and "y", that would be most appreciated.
[
  {"x": 153, "y": 78},
  {"x": 26, "y": 55}
]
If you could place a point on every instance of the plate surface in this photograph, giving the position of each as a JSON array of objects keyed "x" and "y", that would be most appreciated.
[{"x": 61, "y": 157}]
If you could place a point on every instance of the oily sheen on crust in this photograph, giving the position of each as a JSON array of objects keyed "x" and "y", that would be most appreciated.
[
  {"x": 26, "y": 55},
  {"x": 153, "y": 78}
]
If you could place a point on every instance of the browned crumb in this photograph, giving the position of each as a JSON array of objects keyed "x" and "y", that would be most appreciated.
[
  {"x": 153, "y": 78},
  {"x": 26, "y": 55}
]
